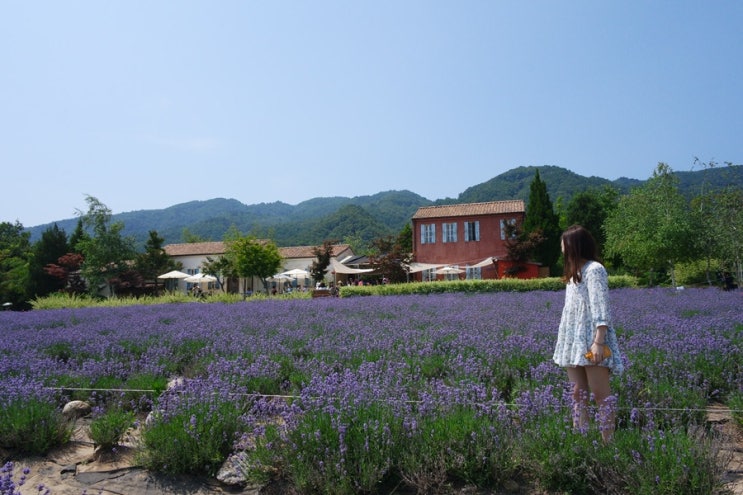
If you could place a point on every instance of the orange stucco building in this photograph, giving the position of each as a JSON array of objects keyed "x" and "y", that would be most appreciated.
[{"x": 469, "y": 239}]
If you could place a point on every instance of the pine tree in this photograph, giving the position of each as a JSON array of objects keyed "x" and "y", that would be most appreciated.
[{"x": 154, "y": 259}]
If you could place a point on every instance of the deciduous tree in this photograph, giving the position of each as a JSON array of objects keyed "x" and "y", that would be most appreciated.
[
  {"x": 220, "y": 267},
  {"x": 15, "y": 252},
  {"x": 67, "y": 269},
  {"x": 388, "y": 257},
  {"x": 651, "y": 228},
  {"x": 254, "y": 258},
  {"x": 106, "y": 252},
  {"x": 590, "y": 208},
  {"x": 521, "y": 245},
  {"x": 719, "y": 220},
  {"x": 405, "y": 239}
]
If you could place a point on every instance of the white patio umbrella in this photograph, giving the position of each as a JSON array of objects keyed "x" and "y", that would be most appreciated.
[
  {"x": 296, "y": 272},
  {"x": 449, "y": 270},
  {"x": 173, "y": 274},
  {"x": 199, "y": 278},
  {"x": 278, "y": 278}
]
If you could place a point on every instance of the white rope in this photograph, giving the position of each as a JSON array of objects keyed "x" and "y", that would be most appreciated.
[{"x": 408, "y": 401}]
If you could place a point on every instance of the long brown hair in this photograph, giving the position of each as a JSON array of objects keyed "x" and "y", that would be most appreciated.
[{"x": 578, "y": 245}]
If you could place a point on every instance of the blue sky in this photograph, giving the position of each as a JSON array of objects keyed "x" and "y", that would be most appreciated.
[{"x": 149, "y": 104}]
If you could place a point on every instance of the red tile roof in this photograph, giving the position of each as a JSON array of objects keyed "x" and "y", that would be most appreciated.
[
  {"x": 306, "y": 251},
  {"x": 471, "y": 209},
  {"x": 218, "y": 247},
  {"x": 195, "y": 248}
]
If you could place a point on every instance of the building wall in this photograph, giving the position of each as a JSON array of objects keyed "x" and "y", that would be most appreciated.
[
  {"x": 192, "y": 264},
  {"x": 464, "y": 253}
]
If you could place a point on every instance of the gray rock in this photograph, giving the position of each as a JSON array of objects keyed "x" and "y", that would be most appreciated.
[
  {"x": 176, "y": 382},
  {"x": 76, "y": 409},
  {"x": 232, "y": 471}
]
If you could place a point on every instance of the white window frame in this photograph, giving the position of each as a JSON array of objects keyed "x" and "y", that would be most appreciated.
[
  {"x": 428, "y": 233},
  {"x": 474, "y": 226},
  {"x": 449, "y": 232}
]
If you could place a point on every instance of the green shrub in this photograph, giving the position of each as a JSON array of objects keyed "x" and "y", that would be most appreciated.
[
  {"x": 76, "y": 387},
  {"x": 33, "y": 426},
  {"x": 59, "y": 301},
  {"x": 63, "y": 300},
  {"x": 343, "y": 452},
  {"x": 195, "y": 440},
  {"x": 146, "y": 381},
  {"x": 676, "y": 461},
  {"x": 695, "y": 272},
  {"x": 107, "y": 429},
  {"x": 673, "y": 404},
  {"x": 474, "y": 286},
  {"x": 673, "y": 461},
  {"x": 461, "y": 445}
]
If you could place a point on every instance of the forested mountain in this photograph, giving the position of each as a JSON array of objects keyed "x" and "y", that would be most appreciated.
[
  {"x": 364, "y": 218},
  {"x": 514, "y": 184},
  {"x": 307, "y": 223}
]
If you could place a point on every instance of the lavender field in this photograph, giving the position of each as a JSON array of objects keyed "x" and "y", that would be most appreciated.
[{"x": 354, "y": 394}]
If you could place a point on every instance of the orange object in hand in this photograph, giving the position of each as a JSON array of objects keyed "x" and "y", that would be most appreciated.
[{"x": 607, "y": 353}]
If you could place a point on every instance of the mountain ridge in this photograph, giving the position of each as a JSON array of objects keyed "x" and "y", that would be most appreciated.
[{"x": 312, "y": 221}]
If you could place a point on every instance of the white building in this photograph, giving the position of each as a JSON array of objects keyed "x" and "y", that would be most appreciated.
[{"x": 192, "y": 256}]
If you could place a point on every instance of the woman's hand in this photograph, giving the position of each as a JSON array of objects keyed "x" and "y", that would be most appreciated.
[{"x": 597, "y": 353}]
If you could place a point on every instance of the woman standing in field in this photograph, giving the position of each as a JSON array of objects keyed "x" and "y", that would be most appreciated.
[{"x": 586, "y": 342}]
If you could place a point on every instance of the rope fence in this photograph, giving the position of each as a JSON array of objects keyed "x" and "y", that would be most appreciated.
[{"x": 407, "y": 401}]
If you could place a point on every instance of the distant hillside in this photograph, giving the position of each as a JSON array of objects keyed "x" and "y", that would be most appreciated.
[
  {"x": 514, "y": 184},
  {"x": 307, "y": 223},
  {"x": 562, "y": 183},
  {"x": 365, "y": 217}
]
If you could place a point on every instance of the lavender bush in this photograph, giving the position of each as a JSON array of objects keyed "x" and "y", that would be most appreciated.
[
  {"x": 31, "y": 420},
  {"x": 349, "y": 395},
  {"x": 193, "y": 428},
  {"x": 109, "y": 425}
]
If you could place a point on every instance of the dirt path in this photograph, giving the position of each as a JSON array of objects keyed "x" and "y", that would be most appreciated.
[
  {"x": 74, "y": 470},
  {"x": 720, "y": 418}
]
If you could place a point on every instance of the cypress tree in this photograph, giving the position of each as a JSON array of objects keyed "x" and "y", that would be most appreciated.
[{"x": 541, "y": 218}]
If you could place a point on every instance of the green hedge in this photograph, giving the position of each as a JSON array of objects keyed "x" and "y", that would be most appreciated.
[{"x": 502, "y": 285}]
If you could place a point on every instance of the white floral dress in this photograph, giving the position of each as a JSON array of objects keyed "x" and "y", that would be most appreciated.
[{"x": 586, "y": 307}]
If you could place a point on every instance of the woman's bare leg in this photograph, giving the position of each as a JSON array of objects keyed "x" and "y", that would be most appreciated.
[
  {"x": 579, "y": 379},
  {"x": 598, "y": 382}
]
